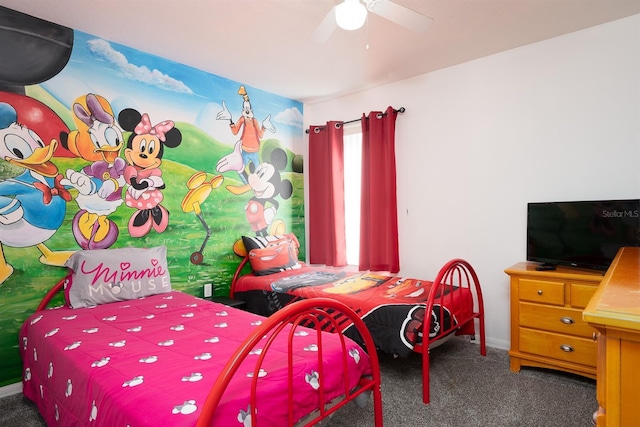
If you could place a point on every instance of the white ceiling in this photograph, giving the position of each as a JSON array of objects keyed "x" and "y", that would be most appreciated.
[{"x": 267, "y": 43}]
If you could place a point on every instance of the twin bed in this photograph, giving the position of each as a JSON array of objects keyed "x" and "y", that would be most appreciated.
[
  {"x": 147, "y": 355},
  {"x": 126, "y": 349},
  {"x": 394, "y": 309}
]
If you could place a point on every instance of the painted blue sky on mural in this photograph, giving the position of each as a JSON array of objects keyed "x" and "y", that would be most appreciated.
[{"x": 165, "y": 89}]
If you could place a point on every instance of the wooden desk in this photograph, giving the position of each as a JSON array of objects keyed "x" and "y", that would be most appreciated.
[{"x": 614, "y": 311}]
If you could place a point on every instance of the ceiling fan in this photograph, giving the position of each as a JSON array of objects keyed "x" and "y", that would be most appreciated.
[{"x": 352, "y": 14}]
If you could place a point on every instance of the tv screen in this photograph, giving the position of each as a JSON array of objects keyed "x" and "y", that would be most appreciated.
[{"x": 583, "y": 234}]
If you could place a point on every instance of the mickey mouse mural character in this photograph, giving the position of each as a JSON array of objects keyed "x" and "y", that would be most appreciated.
[
  {"x": 266, "y": 183},
  {"x": 144, "y": 150},
  {"x": 246, "y": 149}
]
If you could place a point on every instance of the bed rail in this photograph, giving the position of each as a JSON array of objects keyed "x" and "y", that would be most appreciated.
[
  {"x": 236, "y": 275},
  {"x": 455, "y": 275},
  {"x": 314, "y": 311},
  {"x": 58, "y": 287}
]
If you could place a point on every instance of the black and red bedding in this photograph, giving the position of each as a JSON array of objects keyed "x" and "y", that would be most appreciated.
[{"x": 393, "y": 308}]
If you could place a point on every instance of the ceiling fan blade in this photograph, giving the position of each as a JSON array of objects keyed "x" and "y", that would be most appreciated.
[
  {"x": 400, "y": 15},
  {"x": 326, "y": 28}
]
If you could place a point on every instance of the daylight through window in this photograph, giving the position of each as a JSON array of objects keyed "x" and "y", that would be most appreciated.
[{"x": 352, "y": 177}]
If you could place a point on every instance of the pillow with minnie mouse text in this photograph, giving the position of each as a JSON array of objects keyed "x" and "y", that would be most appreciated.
[{"x": 101, "y": 276}]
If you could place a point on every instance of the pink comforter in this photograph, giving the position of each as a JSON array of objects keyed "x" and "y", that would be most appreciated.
[{"x": 152, "y": 362}]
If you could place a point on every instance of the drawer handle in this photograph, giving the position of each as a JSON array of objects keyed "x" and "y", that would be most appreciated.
[
  {"x": 539, "y": 291},
  {"x": 567, "y": 320},
  {"x": 566, "y": 347},
  {"x": 595, "y": 336}
]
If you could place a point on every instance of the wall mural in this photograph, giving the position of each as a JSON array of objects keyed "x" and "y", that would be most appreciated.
[{"x": 103, "y": 146}]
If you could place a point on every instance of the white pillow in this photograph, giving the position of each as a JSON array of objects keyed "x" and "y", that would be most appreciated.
[{"x": 102, "y": 276}]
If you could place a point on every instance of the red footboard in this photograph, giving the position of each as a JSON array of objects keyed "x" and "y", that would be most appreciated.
[
  {"x": 313, "y": 312},
  {"x": 454, "y": 278}
]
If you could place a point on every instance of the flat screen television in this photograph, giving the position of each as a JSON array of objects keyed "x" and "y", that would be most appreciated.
[{"x": 582, "y": 234}]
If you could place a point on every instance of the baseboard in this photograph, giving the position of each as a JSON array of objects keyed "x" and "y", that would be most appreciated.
[
  {"x": 10, "y": 390},
  {"x": 492, "y": 342},
  {"x": 495, "y": 343}
]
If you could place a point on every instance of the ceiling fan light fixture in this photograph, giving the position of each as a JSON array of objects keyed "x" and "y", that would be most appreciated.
[{"x": 351, "y": 14}]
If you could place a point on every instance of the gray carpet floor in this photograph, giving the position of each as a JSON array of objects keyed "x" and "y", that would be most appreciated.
[
  {"x": 470, "y": 390},
  {"x": 466, "y": 390}
]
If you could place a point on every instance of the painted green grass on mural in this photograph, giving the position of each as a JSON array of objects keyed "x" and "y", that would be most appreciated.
[{"x": 222, "y": 211}]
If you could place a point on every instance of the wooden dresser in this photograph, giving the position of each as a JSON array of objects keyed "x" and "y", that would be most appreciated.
[
  {"x": 615, "y": 312},
  {"x": 547, "y": 329}
]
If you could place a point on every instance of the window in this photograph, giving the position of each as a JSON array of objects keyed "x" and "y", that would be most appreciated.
[{"x": 352, "y": 177}]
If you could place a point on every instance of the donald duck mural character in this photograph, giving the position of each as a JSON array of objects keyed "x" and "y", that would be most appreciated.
[{"x": 32, "y": 204}]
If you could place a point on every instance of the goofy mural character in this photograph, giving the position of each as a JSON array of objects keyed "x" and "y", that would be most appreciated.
[
  {"x": 143, "y": 152},
  {"x": 97, "y": 140},
  {"x": 246, "y": 149},
  {"x": 32, "y": 204}
]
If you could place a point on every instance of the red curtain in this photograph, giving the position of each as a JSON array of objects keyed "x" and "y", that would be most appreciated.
[
  {"x": 379, "y": 213},
  {"x": 327, "y": 241}
]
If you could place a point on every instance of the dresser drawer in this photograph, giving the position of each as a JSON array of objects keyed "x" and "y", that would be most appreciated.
[
  {"x": 560, "y": 347},
  {"x": 554, "y": 319},
  {"x": 541, "y": 291},
  {"x": 581, "y": 294}
]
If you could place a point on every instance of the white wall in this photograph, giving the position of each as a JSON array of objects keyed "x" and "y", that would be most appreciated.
[{"x": 554, "y": 120}]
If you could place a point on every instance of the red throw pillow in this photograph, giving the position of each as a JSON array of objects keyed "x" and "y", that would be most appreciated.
[{"x": 278, "y": 255}]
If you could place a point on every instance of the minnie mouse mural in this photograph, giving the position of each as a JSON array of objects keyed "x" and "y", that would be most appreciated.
[{"x": 144, "y": 150}]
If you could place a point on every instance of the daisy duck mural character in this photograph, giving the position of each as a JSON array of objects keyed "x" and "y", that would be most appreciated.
[
  {"x": 98, "y": 140},
  {"x": 32, "y": 204},
  {"x": 246, "y": 149},
  {"x": 143, "y": 152}
]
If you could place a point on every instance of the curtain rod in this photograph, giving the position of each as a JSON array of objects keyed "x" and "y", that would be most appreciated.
[{"x": 317, "y": 128}]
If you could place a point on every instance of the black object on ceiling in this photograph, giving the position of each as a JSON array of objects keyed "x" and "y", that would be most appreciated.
[{"x": 32, "y": 50}]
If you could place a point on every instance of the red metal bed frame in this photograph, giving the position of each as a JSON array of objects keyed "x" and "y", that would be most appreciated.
[
  {"x": 457, "y": 273},
  {"x": 309, "y": 313}
]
